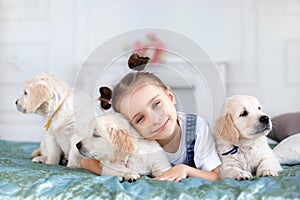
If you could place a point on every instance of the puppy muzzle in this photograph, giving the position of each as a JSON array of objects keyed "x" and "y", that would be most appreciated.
[
  {"x": 264, "y": 119},
  {"x": 19, "y": 107},
  {"x": 82, "y": 149},
  {"x": 79, "y": 145},
  {"x": 265, "y": 125}
]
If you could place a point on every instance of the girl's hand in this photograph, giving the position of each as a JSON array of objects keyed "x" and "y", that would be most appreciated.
[
  {"x": 92, "y": 165},
  {"x": 175, "y": 174}
]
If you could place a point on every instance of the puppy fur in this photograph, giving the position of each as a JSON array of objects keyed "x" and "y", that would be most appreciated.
[
  {"x": 242, "y": 123},
  {"x": 121, "y": 149},
  {"x": 52, "y": 98}
]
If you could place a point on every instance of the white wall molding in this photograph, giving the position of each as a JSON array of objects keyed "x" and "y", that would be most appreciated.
[
  {"x": 291, "y": 8},
  {"x": 19, "y": 60},
  {"x": 20, "y": 10},
  {"x": 291, "y": 57},
  {"x": 244, "y": 72}
]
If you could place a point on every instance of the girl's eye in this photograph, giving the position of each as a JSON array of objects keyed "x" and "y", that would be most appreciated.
[
  {"x": 139, "y": 119},
  {"x": 244, "y": 113},
  {"x": 155, "y": 104}
]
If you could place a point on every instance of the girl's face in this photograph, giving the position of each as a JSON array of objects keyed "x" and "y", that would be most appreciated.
[{"x": 151, "y": 110}]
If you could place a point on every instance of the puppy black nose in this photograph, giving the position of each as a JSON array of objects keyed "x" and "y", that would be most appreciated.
[
  {"x": 79, "y": 145},
  {"x": 264, "y": 119},
  {"x": 16, "y": 101}
]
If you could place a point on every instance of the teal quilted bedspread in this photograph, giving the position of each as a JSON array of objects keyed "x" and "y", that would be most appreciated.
[{"x": 22, "y": 179}]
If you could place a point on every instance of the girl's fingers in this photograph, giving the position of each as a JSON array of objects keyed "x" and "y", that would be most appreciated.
[
  {"x": 178, "y": 179},
  {"x": 163, "y": 178},
  {"x": 169, "y": 178}
]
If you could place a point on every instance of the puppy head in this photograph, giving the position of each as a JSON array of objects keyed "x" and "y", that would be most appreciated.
[
  {"x": 241, "y": 118},
  {"x": 109, "y": 134},
  {"x": 35, "y": 95},
  {"x": 38, "y": 91}
]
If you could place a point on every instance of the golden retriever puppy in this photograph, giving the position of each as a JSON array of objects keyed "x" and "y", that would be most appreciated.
[
  {"x": 121, "y": 150},
  {"x": 240, "y": 133},
  {"x": 52, "y": 98}
]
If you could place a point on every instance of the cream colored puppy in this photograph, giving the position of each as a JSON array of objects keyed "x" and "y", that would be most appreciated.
[
  {"x": 121, "y": 150},
  {"x": 52, "y": 98},
  {"x": 240, "y": 133}
]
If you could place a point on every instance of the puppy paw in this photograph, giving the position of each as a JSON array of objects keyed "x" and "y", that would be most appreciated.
[
  {"x": 243, "y": 175},
  {"x": 266, "y": 172},
  {"x": 36, "y": 153},
  {"x": 39, "y": 159},
  {"x": 131, "y": 176}
]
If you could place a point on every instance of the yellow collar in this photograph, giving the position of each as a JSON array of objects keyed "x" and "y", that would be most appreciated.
[{"x": 48, "y": 123}]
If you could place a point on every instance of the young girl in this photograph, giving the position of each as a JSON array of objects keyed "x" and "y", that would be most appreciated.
[{"x": 150, "y": 107}]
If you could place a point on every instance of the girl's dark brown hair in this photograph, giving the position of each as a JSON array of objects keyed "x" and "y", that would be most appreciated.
[
  {"x": 137, "y": 62},
  {"x": 128, "y": 83},
  {"x": 105, "y": 97}
]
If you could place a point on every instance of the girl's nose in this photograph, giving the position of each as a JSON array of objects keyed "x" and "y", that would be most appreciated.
[{"x": 156, "y": 116}]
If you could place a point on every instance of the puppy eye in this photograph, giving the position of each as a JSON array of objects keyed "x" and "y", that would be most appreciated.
[
  {"x": 25, "y": 92},
  {"x": 259, "y": 108},
  {"x": 95, "y": 133},
  {"x": 244, "y": 113}
]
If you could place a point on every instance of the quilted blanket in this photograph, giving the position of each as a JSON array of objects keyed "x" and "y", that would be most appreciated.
[{"x": 22, "y": 179}]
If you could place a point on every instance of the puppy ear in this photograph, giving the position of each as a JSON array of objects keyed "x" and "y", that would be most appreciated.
[
  {"x": 38, "y": 96},
  {"x": 226, "y": 130},
  {"x": 122, "y": 139}
]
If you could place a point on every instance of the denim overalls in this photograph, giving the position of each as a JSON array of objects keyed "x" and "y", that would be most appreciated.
[{"x": 190, "y": 139}]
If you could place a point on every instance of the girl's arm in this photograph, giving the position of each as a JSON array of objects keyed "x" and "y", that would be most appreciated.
[
  {"x": 212, "y": 175},
  {"x": 92, "y": 165},
  {"x": 181, "y": 171},
  {"x": 176, "y": 173}
]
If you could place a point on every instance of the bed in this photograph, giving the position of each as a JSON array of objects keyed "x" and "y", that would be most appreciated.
[{"x": 22, "y": 179}]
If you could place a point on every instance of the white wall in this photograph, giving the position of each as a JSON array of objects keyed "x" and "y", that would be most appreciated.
[
  {"x": 260, "y": 40},
  {"x": 266, "y": 60}
]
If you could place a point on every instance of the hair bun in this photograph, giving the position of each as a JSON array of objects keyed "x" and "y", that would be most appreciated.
[
  {"x": 137, "y": 62},
  {"x": 105, "y": 97}
]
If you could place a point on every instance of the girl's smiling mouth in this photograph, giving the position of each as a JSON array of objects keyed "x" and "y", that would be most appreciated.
[{"x": 161, "y": 128}]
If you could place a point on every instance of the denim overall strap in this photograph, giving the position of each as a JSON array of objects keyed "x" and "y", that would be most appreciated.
[{"x": 190, "y": 139}]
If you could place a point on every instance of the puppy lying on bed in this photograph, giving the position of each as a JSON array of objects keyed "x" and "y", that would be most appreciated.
[
  {"x": 52, "y": 98},
  {"x": 240, "y": 133},
  {"x": 121, "y": 150}
]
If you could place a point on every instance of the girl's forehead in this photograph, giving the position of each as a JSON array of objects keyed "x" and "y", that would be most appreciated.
[
  {"x": 143, "y": 93},
  {"x": 141, "y": 84},
  {"x": 139, "y": 98}
]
